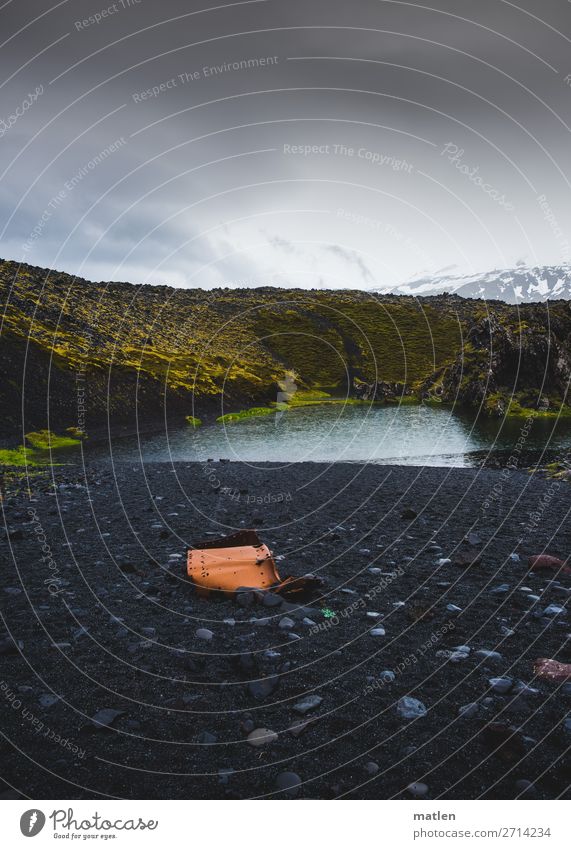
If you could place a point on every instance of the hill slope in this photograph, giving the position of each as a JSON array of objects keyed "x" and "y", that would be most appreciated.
[{"x": 84, "y": 352}]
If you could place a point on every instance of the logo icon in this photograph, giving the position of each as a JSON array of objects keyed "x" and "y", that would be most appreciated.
[{"x": 32, "y": 822}]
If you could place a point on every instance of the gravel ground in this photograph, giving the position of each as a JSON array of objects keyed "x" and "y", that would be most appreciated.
[{"x": 361, "y": 693}]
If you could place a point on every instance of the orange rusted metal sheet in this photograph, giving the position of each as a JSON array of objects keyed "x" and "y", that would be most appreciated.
[{"x": 240, "y": 560}]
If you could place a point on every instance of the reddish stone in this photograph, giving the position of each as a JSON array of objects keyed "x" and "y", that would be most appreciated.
[
  {"x": 552, "y": 670},
  {"x": 546, "y": 561}
]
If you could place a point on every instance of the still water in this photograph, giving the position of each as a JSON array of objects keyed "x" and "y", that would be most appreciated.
[{"x": 409, "y": 435}]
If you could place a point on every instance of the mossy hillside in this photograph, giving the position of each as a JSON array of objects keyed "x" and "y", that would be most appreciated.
[{"x": 234, "y": 346}]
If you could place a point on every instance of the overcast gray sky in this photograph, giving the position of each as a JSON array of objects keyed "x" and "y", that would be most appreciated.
[{"x": 286, "y": 142}]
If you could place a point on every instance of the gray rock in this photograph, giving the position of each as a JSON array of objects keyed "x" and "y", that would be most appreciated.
[
  {"x": 524, "y": 786},
  {"x": 417, "y": 789},
  {"x": 501, "y": 685},
  {"x": 105, "y": 717},
  {"x": 260, "y": 690},
  {"x": 286, "y": 623},
  {"x": 204, "y": 634},
  {"x": 371, "y": 768},
  {"x": 387, "y": 676},
  {"x": 410, "y": 708},
  {"x": 489, "y": 655},
  {"x": 261, "y": 737},
  {"x": 288, "y": 783},
  {"x": 205, "y": 738},
  {"x": 453, "y": 608},
  {"x": 307, "y": 704},
  {"x": 46, "y": 700},
  {"x": 554, "y": 610},
  {"x": 377, "y": 632},
  {"x": 272, "y": 600},
  {"x": 469, "y": 711},
  {"x": 501, "y": 589}
]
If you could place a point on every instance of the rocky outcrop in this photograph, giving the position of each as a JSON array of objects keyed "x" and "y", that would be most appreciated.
[
  {"x": 507, "y": 364},
  {"x": 380, "y": 390}
]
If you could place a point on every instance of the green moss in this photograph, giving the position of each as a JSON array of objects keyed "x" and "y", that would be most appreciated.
[
  {"x": 20, "y": 456},
  {"x": 45, "y": 440},
  {"x": 76, "y": 433},
  {"x": 254, "y": 412},
  {"x": 193, "y": 421}
]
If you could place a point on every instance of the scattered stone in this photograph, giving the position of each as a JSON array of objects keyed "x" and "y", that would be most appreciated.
[
  {"x": 408, "y": 513},
  {"x": 501, "y": 685},
  {"x": 409, "y": 708},
  {"x": 524, "y": 786},
  {"x": 372, "y": 614},
  {"x": 554, "y": 610},
  {"x": 377, "y": 632},
  {"x": 453, "y": 608},
  {"x": 245, "y": 598},
  {"x": 417, "y": 789},
  {"x": 465, "y": 559},
  {"x": 544, "y": 561},
  {"x": 299, "y": 726},
  {"x": 46, "y": 700},
  {"x": 501, "y": 589},
  {"x": 105, "y": 717},
  {"x": 371, "y": 768},
  {"x": 260, "y": 690},
  {"x": 469, "y": 711},
  {"x": 205, "y": 738},
  {"x": 489, "y": 655},
  {"x": 515, "y": 557},
  {"x": 288, "y": 783},
  {"x": 307, "y": 704},
  {"x": 286, "y": 623},
  {"x": 387, "y": 676},
  {"x": 261, "y": 737},
  {"x": 552, "y": 670},
  {"x": 204, "y": 634},
  {"x": 444, "y": 561},
  {"x": 473, "y": 538},
  {"x": 272, "y": 600},
  {"x": 506, "y": 632},
  {"x": 225, "y": 774},
  {"x": 523, "y": 689}
]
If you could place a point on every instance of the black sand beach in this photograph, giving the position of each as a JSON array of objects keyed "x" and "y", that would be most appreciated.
[{"x": 99, "y": 616}]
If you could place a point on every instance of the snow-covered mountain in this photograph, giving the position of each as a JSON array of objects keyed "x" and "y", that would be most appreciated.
[{"x": 518, "y": 285}]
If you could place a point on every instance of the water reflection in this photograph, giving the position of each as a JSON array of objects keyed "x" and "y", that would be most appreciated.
[{"x": 408, "y": 435}]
